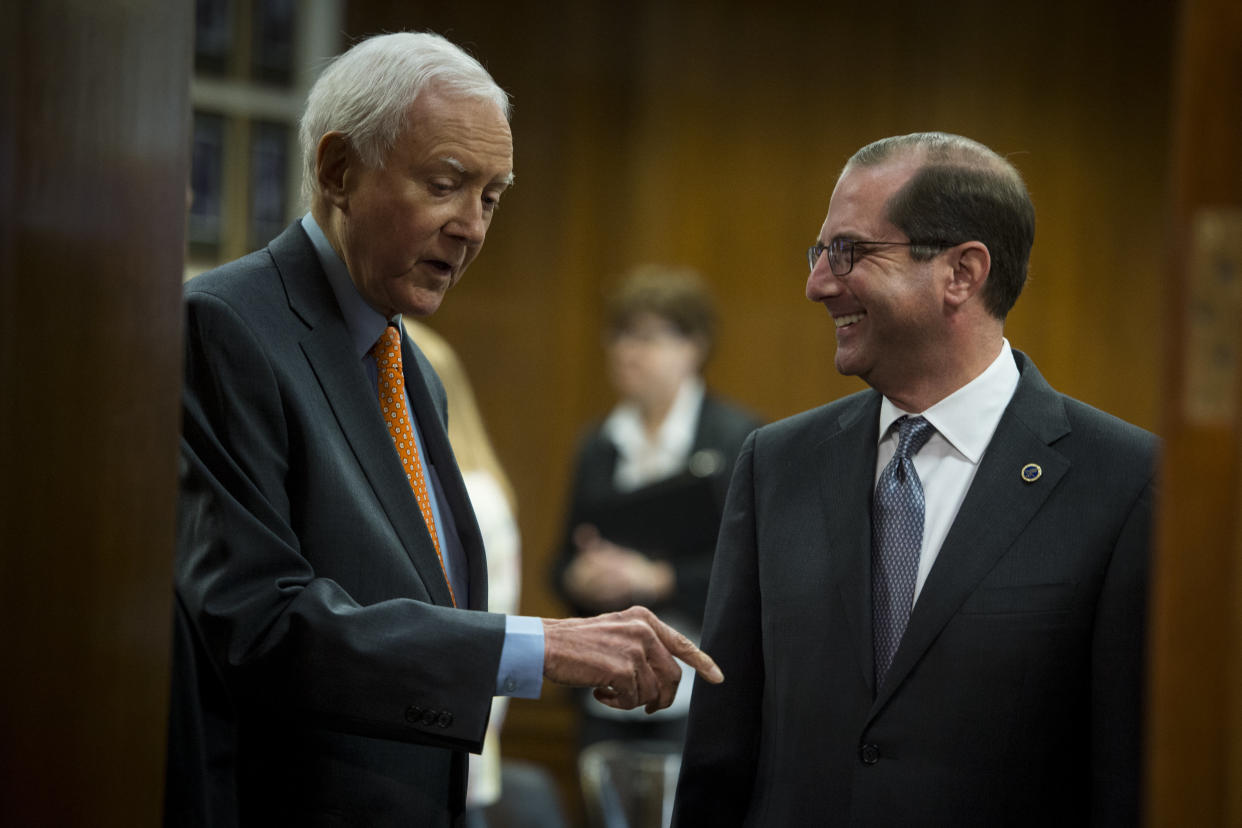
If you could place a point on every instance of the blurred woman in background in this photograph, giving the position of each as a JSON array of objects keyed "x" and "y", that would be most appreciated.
[{"x": 649, "y": 482}]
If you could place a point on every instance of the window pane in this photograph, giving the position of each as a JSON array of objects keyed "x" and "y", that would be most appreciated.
[
  {"x": 272, "y": 50},
  {"x": 213, "y": 36},
  {"x": 269, "y": 163},
  {"x": 207, "y": 185}
]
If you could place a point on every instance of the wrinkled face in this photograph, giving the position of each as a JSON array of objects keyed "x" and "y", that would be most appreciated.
[
  {"x": 410, "y": 229},
  {"x": 649, "y": 359},
  {"x": 888, "y": 309}
]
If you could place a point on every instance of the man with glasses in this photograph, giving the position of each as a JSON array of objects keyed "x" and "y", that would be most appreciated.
[{"x": 929, "y": 596}]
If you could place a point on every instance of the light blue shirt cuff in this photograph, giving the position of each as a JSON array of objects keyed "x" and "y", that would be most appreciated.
[{"x": 521, "y": 658}]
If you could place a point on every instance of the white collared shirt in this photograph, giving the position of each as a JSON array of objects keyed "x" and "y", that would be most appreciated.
[
  {"x": 642, "y": 459},
  {"x": 965, "y": 422}
]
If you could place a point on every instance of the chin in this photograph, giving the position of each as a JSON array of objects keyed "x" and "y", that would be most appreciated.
[
  {"x": 420, "y": 311},
  {"x": 845, "y": 366},
  {"x": 423, "y": 304}
]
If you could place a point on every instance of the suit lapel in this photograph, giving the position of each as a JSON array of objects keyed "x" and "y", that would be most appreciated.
[
  {"x": 330, "y": 352},
  {"x": 432, "y": 427},
  {"x": 846, "y": 461},
  {"x": 996, "y": 509}
]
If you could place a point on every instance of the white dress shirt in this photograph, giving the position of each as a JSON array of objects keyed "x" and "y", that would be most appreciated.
[
  {"x": 965, "y": 422},
  {"x": 643, "y": 458}
]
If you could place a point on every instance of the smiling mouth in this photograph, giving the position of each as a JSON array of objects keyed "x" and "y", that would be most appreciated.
[{"x": 847, "y": 319}]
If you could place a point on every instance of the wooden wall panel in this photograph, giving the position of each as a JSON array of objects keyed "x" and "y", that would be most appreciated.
[
  {"x": 93, "y": 169},
  {"x": 1195, "y": 755},
  {"x": 711, "y": 134}
]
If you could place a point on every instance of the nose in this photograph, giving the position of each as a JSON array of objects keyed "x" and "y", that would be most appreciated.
[
  {"x": 822, "y": 284},
  {"x": 469, "y": 221}
]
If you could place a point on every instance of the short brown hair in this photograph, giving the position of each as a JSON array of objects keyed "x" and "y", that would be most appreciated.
[{"x": 677, "y": 294}]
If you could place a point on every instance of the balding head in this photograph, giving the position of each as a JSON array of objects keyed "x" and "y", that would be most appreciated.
[{"x": 962, "y": 191}]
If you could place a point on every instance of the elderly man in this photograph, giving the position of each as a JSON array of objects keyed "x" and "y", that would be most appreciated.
[
  {"x": 333, "y": 660},
  {"x": 929, "y": 596}
]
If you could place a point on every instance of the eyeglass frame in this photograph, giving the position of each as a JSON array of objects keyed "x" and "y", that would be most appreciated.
[{"x": 818, "y": 249}]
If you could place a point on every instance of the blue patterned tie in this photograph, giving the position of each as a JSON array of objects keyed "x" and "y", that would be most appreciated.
[{"x": 896, "y": 536}]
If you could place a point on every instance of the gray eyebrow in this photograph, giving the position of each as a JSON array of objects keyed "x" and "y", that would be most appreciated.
[{"x": 461, "y": 168}]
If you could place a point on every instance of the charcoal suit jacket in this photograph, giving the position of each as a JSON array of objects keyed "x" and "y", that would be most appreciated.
[
  {"x": 1015, "y": 696},
  {"x": 320, "y": 675}
]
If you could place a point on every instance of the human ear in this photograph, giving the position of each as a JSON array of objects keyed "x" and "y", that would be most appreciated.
[
  {"x": 971, "y": 263},
  {"x": 333, "y": 159}
]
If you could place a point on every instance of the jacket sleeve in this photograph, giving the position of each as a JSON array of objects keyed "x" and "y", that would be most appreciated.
[
  {"x": 1118, "y": 673},
  {"x": 719, "y": 760}
]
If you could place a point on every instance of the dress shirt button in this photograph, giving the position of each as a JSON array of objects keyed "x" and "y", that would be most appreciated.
[
  {"x": 413, "y": 715},
  {"x": 510, "y": 685},
  {"x": 870, "y": 754},
  {"x": 446, "y": 719}
]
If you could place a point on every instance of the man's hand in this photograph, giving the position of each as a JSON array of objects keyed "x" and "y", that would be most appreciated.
[{"x": 626, "y": 656}]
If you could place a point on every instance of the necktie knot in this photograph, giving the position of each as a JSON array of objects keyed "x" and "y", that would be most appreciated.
[
  {"x": 912, "y": 434},
  {"x": 387, "y": 348}
]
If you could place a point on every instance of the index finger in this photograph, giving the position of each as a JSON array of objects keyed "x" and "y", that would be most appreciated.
[{"x": 684, "y": 648}]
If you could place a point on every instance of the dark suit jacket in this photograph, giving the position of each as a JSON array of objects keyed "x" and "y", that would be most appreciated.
[
  {"x": 718, "y": 438},
  {"x": 1015, "y": 697},
  {"x": 320, "y": 675}
]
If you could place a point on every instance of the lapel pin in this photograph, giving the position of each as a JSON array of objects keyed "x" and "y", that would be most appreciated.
[{"x": 1031, "y": 472}]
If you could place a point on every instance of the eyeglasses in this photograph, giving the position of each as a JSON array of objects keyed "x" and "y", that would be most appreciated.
[{"x": 841, "y": 252}]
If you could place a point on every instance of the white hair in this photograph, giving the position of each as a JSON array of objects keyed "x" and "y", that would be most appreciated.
[{"x": 366, "y": 93}]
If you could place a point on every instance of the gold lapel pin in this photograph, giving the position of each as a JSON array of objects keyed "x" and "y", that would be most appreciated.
[{"x": 1031, "y": 472}]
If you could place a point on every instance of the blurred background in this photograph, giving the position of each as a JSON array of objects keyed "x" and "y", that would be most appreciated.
[{"x": 705, "y": 134}]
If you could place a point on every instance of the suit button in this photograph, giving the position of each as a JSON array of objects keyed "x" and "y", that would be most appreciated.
[
  {"x": 446, "y": 719},
  {"x": 870, "y": 754},
  {"x": 413, "y": 714},
  {"x": 429, "y": 717}
]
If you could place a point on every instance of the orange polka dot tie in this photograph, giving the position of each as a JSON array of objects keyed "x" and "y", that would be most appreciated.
[{"x": 387, "y": 353}]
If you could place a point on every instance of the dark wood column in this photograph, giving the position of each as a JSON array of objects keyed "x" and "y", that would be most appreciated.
[
  {"x": 1195, "y": 749},
  {"x": 93, "y": 162}
]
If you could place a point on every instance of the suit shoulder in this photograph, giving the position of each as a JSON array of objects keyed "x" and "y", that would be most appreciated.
[
  {"x": 252, "y": 279},
  {"x": 1109, "y": 430},
  {"x": 816, "y": 423}
]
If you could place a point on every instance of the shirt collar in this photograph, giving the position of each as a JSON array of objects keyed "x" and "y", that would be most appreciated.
[
  {"x": 624, "y": 425},
  {"x": 364, "y": 323},
  {"x": 968, "y": 417}
]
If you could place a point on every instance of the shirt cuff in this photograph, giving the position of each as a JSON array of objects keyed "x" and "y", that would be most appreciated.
[{"x": 521, "y": 658}]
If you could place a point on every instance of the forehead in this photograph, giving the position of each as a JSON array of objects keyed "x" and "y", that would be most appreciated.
[
  {"x": 859, "y": 199},
  {"x": 471, "y": 131}
]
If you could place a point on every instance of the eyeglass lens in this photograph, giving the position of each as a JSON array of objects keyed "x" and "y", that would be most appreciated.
[{"x": 840, "y": 255}]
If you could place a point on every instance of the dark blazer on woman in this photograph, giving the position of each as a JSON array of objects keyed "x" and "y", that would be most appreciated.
[{"x": 701, "y": 486}]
